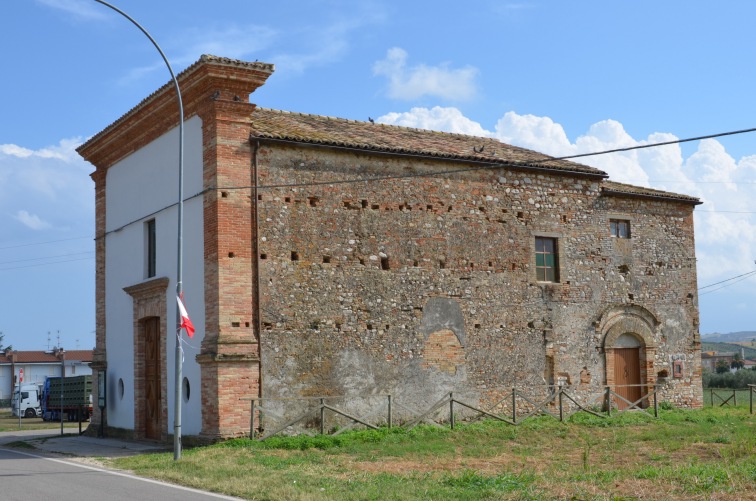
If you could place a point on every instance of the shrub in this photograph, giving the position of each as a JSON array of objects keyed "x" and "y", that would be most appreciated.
[{"x": 735, "y": 380}]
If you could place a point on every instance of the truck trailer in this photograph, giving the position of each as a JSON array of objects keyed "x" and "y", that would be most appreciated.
[{"x": 73, "y": 399}]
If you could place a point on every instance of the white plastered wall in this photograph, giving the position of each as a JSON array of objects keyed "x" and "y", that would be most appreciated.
[{"x": 141, "y": 187}]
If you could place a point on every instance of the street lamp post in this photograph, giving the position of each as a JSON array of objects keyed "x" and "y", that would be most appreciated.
[
  {"x": 62, "y": 353},
  {"x": 180, "y": 243}
]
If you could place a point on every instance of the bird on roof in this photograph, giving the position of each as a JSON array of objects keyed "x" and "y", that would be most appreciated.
[
  {"x": 476, "y": 150},
  {"x": 371, "y": 120}
]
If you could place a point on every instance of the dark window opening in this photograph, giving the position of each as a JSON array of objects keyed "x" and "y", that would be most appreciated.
[{"x": 151, "y": 249}]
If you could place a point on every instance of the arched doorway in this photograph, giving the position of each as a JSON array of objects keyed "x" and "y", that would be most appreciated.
[
  {"x": 629, "y": 345},
  {"x": 627, "y": 370}
]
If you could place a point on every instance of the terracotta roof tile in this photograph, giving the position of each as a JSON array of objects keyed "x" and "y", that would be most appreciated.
[
  {"x": 611, "y": 187},
  {"x": 316, "y": 129},
  {"x": 40, "y": 357}
]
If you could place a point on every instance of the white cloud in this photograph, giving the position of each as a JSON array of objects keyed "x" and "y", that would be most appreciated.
[
  {"x": 13, "y": 150},
  {"x": 299, "y": 48},
  {"x": 725, "y": 226},
  {"x": 418, "y": 81},
  {"x": 236, "y": 42},
  {"x": 65, "y": 150},
  {"x": 436, "y": 118},
  {"x": 45, "y": 189},
  {"x": 537, "y": 133},
  {"x": 83, "y": 9},
  {"x": 31, "y": 220}
]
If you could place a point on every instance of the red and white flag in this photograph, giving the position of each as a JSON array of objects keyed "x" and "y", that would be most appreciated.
[{"x": 186, "y": 322}]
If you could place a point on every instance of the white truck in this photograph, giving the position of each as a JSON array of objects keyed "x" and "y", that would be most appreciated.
[{"x": 31, "y": 403}]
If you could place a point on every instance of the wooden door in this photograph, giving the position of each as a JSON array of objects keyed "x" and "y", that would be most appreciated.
[
  {"x": 153, "y": 400},
  {"x": 627, "y": 372}
]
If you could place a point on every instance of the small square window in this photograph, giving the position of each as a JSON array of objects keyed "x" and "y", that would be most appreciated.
[
  {"x": 619, "y": 228},
  {"x": 547, "y": 264}
]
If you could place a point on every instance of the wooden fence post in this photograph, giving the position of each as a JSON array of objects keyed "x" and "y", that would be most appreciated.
[
  {"x": 390, "y": 417},
  {"x": 252, "y": 420},
  {"x": 609, "y": 400},
  {"x": 451, "y": 409},
  {"x": 656, "y": 403},
  {"x": 561, "y": 409},
  {"x": 322, "y": 416},
  {"x": 514, "y": 405}
]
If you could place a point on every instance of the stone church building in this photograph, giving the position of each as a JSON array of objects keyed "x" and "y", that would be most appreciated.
[{"x": 325, "y": 256}]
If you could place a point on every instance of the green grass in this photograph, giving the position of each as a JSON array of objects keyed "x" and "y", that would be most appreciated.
[
  {"x": 720, "y": 395},
  {"x": 685, "y": 454},
  {"x": 9, "y": 422}
]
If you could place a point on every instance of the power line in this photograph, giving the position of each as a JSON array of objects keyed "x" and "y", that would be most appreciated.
[
  {"x": 663, "y": 143},
  {"x": 746, "y": 275},
  {"x": 45, "y": 264},
  {"x": 727, "y": 285},
  {"x": 44, "y": 243},
  {"x": 484, "y": 166},
  {"x": 48, "y": 257}
]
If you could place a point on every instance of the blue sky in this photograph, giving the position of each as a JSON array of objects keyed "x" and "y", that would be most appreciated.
[{"x": 559, "y": 77}]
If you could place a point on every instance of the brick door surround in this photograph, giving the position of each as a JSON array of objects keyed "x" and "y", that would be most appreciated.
[{"x": 149, "y": 300}]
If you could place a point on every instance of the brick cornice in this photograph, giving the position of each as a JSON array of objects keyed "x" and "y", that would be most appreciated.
[
  {"x": 149, "y": 288},
  {"x": 209, "y": 78}
]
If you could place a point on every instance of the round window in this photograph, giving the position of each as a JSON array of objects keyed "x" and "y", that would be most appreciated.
[{"x": 186, "y": 389}]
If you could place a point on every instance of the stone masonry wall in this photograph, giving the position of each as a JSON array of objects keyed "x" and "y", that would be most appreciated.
[{"x": 424, "y": 285}]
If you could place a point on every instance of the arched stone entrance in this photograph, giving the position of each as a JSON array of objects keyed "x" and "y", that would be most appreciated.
[{"x": 629, "y": 349}]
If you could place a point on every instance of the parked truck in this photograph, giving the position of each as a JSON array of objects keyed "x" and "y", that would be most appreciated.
[
  {"x": 74, "y": 399},
  {"x": 30, "y": 400}
]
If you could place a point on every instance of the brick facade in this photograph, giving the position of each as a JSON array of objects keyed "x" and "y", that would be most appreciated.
[{"x": 421, "y": 282}]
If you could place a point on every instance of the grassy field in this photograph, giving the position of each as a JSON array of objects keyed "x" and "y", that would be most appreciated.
[
  {"x": 707, "y": 454},
  {"x": 721, "y": 396},
  {"x": 10, "y": 423}
]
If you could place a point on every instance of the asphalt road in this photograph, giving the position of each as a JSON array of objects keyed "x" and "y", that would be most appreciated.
[{"x": 25, "y": 476}]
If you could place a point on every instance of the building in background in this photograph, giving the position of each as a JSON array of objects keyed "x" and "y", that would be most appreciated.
[
  {"x": 325, "y": 256},
  {"x": 37, "y": 365}
]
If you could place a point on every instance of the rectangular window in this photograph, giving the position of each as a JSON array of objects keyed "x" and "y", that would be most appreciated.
[
  {"x": 151, "y": 248},
  {"x": 547, "y": 268},
  {"x": 619, "y": 228}
]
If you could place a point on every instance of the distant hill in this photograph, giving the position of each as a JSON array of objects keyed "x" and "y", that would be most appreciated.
[
  {"x": 730, "y": 337},
  {"x": 750, "y": 353}
]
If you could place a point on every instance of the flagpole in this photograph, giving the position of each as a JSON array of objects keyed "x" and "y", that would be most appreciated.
[{"x": 180, "y": 254}]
